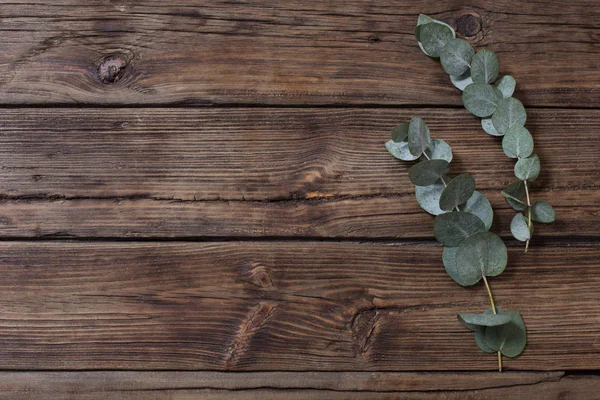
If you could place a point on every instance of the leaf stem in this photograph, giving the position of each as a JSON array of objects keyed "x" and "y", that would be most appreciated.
[
  {"x": 487, "y": 286},
  {"x": 528, "y": 213}
]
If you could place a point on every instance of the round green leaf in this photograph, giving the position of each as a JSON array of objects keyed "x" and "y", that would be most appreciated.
[
  {"x": 459, "y": 190},
  {"x": 429, "y": 197},
  {"x": 510, "y": 112},
  {"x": 480, "y": 340},
  {"x": 481, "y": 99},
  {"x": 509, "y": 339},
  {"x": 542, "y": 212},
  {"x": 449, "y": 260},
  {"x": 418, "y": 136},
  {"x": 462, "y": 81},
  {"x": 428, "y": 172},
  {"x": 488, "y": 127},
  {"x": 456, "y": 57},
  {"x": 439, "y": 150},
  {"x": 483, "y": 253},
  {"x": 400, "y": 133},
  {"x": 424, "y": 19},
  {"x": 517, "y": 142},
  {"x": 479, "y": 205},
  {"x": 514, "y": 195},
  {"x": 433, "y": 37},
  {"x": 528, "y": 169},
  {"x": 484, "y": 67},
  {"x": 519, "y": 228},
  {"x": 452, "y": 228},
  {"x": 507, "y": 85},
  {"x": 473, "y": 321},
  {"x": 399, "y": 150}
]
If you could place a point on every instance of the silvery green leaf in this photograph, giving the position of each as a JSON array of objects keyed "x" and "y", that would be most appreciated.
[
  {"x": 488, "y": 127},
  {"x": 506, "y": 85},
  {"x": 510, "y": 112},
  {"x": 449, "y": 260},
  {"x": 484, "y": 67},
  {"x": 517, "y": 142},
  {"x": 509, "y": 339},
  {"x": 452, "y": 228},
  {"x": 424, "y": 19},
  {"x": 528, "y": 169},
  {"x": 439, "y": 150},
  {"x": 400, "y": 150},
  {"x": 433, "y": 37},
  {"x": 479, "y": 205},
  {"x": 480, "y": 340},
  {"x": 542, "y": 212},
  {"x": 428, "y": 172},
  {"x": 429, "y": 197},
  {"x": 456, "y": 57},
  {"x": 400, "y": 133},
  {"x": 418, "y": 136},
  {"x": 519, "y": 228},
  {"x": 462, "y": 81},
  {"x": 514, "y": 195},
  {"x": 459, "y": 190},
  {"x": 482, "y": 253},
  {"x": 473, "y": 321},
  {"x": 481, "y": 99}
]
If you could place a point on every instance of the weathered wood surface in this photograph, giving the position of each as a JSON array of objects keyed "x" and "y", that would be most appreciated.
[
  {"x": 308, "y": 172},
  {"x": 285, "y": 52},
  {"x": 290, "y": 305},
  {"x": 295, "y": 385}
]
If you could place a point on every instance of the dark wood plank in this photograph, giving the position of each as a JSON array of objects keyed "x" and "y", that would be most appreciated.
[
  {"x": 296, "y": 385},
  {"x": 282, "y": 306},
  {"x": 375, "y": 217},
  {"x": 293, "y": 52},
  {"x": 314, "y": 172}
]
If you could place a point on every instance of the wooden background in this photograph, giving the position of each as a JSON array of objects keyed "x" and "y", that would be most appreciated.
[{"x": 196, "y": 202}]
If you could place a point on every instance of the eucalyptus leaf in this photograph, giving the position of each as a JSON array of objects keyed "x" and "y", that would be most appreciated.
[
  {"x": 519, "y": 228},
  {"x": 456, "y": 57},
  {"x": 481, "y": 99},
  {"x": 458, "y": 191},
  {"x": 400, "y": 133},
  {"x": 452, "y": 228},
  {"x": 507, "y": 85},
  {"x": 462, "y": 81},
  {"x": 482, "y": 253},
  {"x": 542, "y": 212},
  {"x": 449, "y": 260},
  {"x": 514, "y": 195},
  {"x": 528, "y": 169},
  {"x": 428, "y": 197},
  {"x": 439, "y": 150},
  {"x": 433, "y": 37},
  {"x": 428, "y": 172},
  {"x": 517, "y": 142},
  {"x": 509, "y": 339},
  {"x": 480, "y": 206},
  {"x": 400, "y": 150},
  {"x": 510, "y": 112},
  {"x": 484, "y": 66},
  {"x": 418, "y": 136},
  {"x": 473, "y": 321},
  {"x": 488, "y": 127},
  {"x": 480, "y": 340},
  {"x": 424, "y": 19}
]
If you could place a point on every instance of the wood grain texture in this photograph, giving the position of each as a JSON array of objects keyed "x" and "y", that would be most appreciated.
[
  {"x": 295, "y": 385},
  {"x": 258, "y": 306},
  {"x": 266, "y": 172},
  {"x": 292, "y": 52}
]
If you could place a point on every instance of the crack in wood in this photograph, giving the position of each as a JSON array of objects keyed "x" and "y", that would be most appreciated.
[{"x": 364, "y": 328}]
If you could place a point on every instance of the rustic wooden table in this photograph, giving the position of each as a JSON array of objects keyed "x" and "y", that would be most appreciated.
[{"x": 197, "y": 203}]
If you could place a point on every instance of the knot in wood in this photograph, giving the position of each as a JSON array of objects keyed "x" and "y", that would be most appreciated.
[
  {"x": 111, "y": 69},
  {"x": 468, "y": 25}
]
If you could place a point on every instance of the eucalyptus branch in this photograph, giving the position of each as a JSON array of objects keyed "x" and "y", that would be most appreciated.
[{"x": 502, "y": 115}]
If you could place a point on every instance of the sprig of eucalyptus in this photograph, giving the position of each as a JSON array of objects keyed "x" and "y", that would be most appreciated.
[
  {"x": 501, "y": 115},
  {"x": 463, "y": 219}
]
